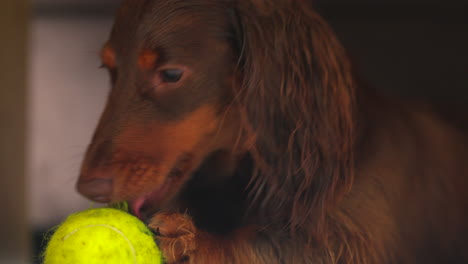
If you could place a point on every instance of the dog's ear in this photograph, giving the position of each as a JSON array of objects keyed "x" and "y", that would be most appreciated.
[{"x": 297, "y": 93}]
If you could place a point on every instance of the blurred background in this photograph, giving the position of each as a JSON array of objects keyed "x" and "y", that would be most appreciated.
[{"x": 52, "y": 92}]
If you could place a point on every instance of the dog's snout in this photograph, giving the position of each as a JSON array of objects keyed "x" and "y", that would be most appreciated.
[{"x": 98, "y": 190}]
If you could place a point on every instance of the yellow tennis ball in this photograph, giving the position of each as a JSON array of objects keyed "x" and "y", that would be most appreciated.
[{"x": 100, "y": 236}]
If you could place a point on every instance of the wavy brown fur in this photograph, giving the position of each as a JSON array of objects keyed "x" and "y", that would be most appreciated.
[{"x": 298, "y": 95}]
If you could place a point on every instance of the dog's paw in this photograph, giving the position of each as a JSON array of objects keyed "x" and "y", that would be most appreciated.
[{"x": 176, "y": 236}]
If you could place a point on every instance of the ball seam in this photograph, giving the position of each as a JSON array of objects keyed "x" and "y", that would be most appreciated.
[{"x": 112, "y": 228}]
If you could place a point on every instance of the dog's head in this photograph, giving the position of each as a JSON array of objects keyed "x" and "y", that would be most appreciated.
[
  {"x": 170, "y": 107},
  {"x": 205, "y": 81}
]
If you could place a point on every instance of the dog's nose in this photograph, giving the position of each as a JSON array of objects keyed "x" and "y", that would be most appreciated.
[{"x": 98, "y": 190}]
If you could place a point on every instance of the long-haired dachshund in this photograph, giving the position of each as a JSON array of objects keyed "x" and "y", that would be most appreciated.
[{"x": 239, "y": 131}]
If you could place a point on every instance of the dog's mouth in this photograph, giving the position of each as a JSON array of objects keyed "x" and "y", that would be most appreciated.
[{"x": 145, "y": 206}]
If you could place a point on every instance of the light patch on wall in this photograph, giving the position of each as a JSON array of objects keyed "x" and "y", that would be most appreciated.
[{"x": 67, "y": 96}]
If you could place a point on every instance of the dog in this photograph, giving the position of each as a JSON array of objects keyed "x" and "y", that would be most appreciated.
[{"x": 241, "y": 133}]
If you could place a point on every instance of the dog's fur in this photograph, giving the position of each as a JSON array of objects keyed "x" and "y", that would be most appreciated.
[{"x": 269, "y": 149}]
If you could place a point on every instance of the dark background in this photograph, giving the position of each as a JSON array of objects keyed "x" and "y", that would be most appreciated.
[{"x": 412, "y": 48}]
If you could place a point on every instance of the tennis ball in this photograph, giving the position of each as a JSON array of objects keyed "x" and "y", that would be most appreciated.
[{"x": 102, "y": 235}]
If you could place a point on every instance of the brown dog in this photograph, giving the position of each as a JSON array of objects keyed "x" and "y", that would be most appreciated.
[{"x": 238, "y": 129}]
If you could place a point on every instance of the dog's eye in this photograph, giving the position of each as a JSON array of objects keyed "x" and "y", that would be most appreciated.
[{"x": 171, "y": 75}]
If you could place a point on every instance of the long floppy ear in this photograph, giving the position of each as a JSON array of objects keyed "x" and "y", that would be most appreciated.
[{"x": 298, "y": 98}]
